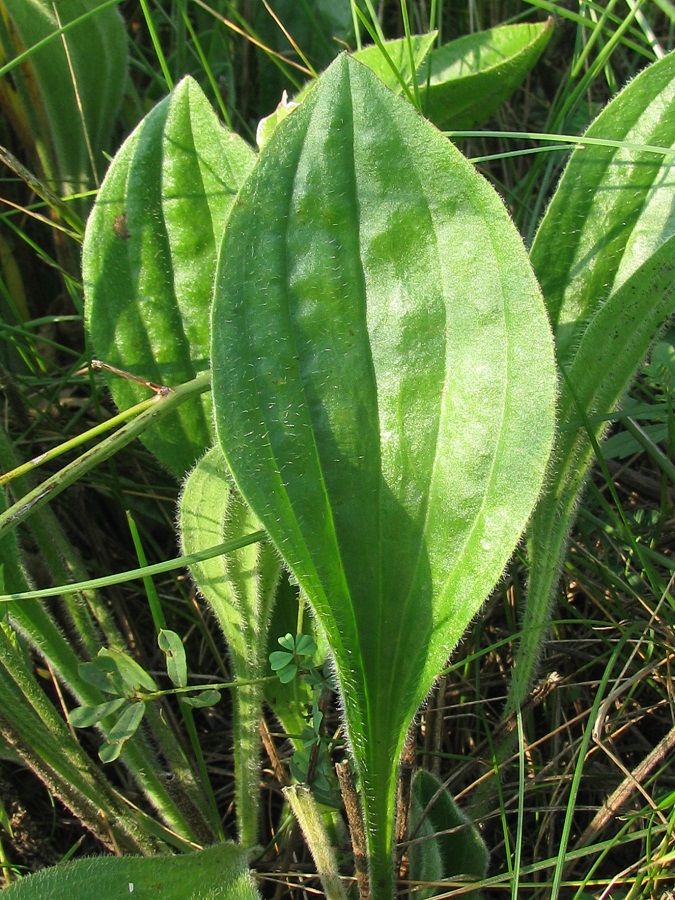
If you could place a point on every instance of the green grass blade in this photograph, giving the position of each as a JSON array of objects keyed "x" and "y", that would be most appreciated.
[
  {"x": 579, "y": 768},
  {"x": 71, "y": 87},
  {"x": 391, "y": 61},
  {"x": 150, "y": 414},
  {"x": 133, "y": 574}
]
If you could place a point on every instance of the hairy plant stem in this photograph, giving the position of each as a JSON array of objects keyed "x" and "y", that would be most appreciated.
[
  {"x": 356, "y": 832},
  {"x": 246, "y": 711},
  {"x": 307, "y": 813}
]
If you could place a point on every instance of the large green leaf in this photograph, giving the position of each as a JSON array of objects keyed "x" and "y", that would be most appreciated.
[
  {"x": 468, "y": 79},
  {"x": 70, "y": 94},
  {"x": 149, "y": 258},
  {"x": 383, "y": 384},
  {"x": 605, "y": 257},
  {"x": 240, "y": 588},
  {"x": 220, "y": 871},
  {"x": 613, "y": 207}
]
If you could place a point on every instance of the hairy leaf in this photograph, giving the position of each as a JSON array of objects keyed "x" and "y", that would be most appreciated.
[
  {"x": 149, "y": 257},
  {"x": 448, "y": 844},
  {"x": 384, "y": 386},
  {"x": 239, "y": 586},
  {"x": 240, "y": 589},
  {"x": 219, "y": 871},
  {"x": 468, "y": 79},
  {"x": 605, "y": 257}
]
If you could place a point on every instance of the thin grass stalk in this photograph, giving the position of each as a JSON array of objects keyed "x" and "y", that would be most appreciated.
[
  {"x": 157, "y": 46},
  {"x": 150, "y": 412},
  {"x": 579, "y": 767},
  {"x": 521, "y": 806}
]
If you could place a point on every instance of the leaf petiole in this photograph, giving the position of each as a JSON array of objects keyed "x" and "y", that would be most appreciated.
[{"x": 147, "y": 696}]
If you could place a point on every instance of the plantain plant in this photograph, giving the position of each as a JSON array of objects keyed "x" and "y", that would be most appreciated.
[
  {"x": 383, "y": 388},
  {"x": 352, "y": 359}
]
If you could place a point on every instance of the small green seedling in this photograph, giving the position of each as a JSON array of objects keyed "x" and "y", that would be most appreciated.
[{"x": 116, "y": 673}]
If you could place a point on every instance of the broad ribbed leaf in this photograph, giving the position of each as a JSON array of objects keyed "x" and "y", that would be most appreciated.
[
  {"x": 612, "y": 209},
  {"x": 240, "y": 587},
  {"x": 471, "y": 77},
  {"x": 605, "y": 257},
  {"x": 384, "y": 394},
  {"x": 149, "y": 258},
  {"x": 218, "y": 872},
  {"x": 71, "y": 123}
]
